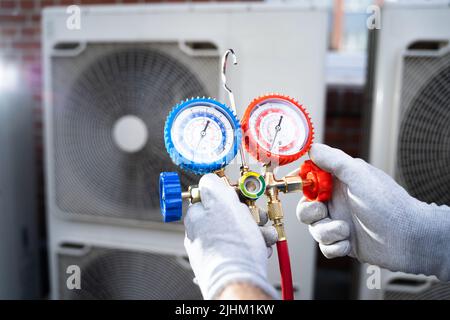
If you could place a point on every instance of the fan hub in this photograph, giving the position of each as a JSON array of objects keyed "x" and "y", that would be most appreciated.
[{"x": 130, "y": 133}]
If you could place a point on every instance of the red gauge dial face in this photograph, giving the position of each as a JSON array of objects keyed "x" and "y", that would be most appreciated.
[{"x": 277, "y": 129}]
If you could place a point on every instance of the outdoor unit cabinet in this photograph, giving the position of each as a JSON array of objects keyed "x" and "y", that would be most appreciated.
[{"x": 410, "y": 113}]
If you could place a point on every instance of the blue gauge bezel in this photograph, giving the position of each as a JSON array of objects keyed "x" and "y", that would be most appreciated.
[{"x": 195, "y": 167}]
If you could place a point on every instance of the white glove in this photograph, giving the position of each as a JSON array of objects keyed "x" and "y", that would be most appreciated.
[
  {"x": 370, "y": 217},
  {"x": 223, "y": 242}
]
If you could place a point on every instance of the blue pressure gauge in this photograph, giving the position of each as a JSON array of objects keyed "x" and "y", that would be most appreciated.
[{"x": 202, "y": 135}]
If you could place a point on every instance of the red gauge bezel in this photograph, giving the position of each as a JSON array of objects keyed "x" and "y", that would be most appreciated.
[{"x": 259, "y": 152}]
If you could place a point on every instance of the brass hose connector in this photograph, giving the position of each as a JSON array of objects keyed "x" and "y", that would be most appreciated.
[
  {"x": 193, "y": 192},
  {"x": 274, "y": 207},
  {"x": 254, "y": 210}
]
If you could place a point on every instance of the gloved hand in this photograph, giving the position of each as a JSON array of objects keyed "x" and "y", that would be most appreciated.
[
  {"x": 223, "y": 242},
  {"x": 370, "y": 217}
]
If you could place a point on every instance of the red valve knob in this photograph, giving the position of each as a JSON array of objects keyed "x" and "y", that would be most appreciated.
[{"x": 317, "y": 184}]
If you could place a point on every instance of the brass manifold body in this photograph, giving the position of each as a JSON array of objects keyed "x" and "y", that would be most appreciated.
[{"x": 273, "y": 186}]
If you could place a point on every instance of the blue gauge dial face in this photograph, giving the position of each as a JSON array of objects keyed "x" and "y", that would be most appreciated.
[{"x": 203, "y": 134}]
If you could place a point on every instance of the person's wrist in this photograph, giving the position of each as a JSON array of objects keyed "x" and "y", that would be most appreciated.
[
  {"x": 227, "y": 273},
  {"x": 242, "y": 291},
  {"x": 433, "y": 237},
  {"x": 424, "y": 242}
]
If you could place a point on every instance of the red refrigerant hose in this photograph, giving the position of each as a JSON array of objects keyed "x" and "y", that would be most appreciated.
[{"x": 287, "y": 291}]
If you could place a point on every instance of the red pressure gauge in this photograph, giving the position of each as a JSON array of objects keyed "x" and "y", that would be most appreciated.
[{"x": 276, "y": 129}]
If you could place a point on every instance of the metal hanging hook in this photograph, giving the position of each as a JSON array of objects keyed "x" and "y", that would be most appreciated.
[
  {"x": 224, "y": 76},
  {"x": 244, "y": 165}
]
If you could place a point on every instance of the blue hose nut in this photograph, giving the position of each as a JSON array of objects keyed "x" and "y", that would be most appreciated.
[{"x": 170, "y": 199}]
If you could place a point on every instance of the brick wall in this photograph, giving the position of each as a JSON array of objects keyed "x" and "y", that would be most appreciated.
[{"x": 344, "y": 113}]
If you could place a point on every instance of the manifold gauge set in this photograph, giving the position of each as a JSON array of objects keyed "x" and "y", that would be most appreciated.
[{"x": 203, "y": 135}]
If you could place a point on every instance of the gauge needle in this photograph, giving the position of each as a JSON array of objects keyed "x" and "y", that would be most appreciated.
[
  {"x": 203, "y": 132},
  {"x": 277, "y": 129},
  {"x": 202, "y": 135}
]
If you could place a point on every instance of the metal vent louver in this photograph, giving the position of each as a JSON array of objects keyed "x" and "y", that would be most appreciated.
[
  {"x": 423, "y": 165},
  {"x": 115, "y": 274},
  {"x": 94, "y": 89}
]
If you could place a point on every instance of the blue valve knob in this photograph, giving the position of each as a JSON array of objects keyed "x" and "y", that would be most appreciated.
[{"x": 170, "y": 196}]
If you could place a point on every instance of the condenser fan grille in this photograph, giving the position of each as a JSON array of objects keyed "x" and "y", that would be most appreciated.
[
  {"x": 424, "y": 137},
  {"x": 104, "y": 97},
  {"x": 115, "y": 274}
]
